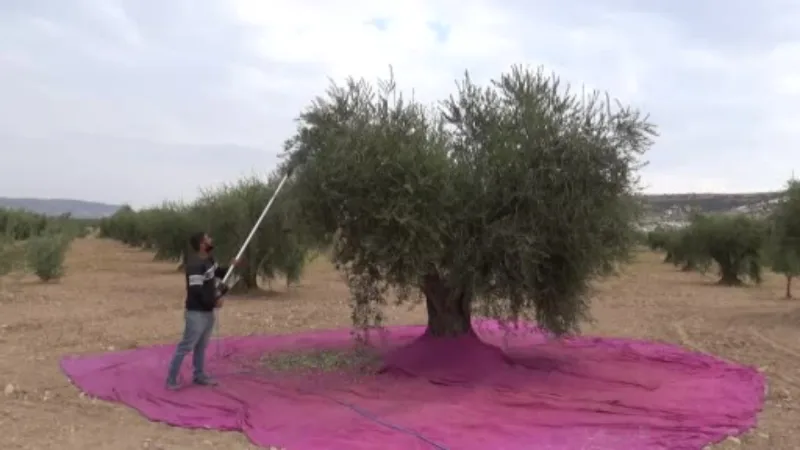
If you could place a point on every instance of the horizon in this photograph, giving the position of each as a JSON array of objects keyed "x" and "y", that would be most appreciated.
[{"x": 139, "y": 207}]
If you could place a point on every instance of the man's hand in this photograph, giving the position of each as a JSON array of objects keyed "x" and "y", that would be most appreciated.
[
  {"x": 236, "y": 262},
  {"x": 222, "y": 289}
]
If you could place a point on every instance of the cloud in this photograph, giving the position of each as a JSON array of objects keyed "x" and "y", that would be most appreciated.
[{"x": 140, "y": 100}]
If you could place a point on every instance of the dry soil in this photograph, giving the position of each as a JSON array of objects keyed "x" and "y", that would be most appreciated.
[{"x": 114, "y": 297}]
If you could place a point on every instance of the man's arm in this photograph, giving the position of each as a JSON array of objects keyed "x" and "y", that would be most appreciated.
[{"x": 220, "y": 272}]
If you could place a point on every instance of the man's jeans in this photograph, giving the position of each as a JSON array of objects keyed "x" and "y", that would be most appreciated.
[{"x": 196, "y": 334}]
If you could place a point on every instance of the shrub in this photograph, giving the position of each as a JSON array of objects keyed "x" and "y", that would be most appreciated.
[{"x": 46, "y": 255}]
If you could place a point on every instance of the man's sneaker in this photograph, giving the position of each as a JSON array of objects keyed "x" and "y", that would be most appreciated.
[
  {"x": 204, "y": 380},
  {"x": 173, "y": 385}
]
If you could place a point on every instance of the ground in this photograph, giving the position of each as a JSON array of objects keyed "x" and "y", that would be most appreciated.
[{"x": 114, "y": 297}]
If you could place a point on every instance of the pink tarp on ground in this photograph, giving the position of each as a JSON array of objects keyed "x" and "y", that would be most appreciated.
[{"x": 579, "y": 393}]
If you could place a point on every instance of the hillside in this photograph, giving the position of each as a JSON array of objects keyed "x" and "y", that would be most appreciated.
[
  {"x": 675, "y": 208},
  {"x": 56, "y": 206},
  {"x": 711, "y": 203}
]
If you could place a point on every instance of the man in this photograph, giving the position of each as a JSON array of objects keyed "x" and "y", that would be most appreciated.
[{"x": 203, "y": 295}]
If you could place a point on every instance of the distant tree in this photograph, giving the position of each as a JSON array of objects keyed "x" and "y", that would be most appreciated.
[
  {"x": 166, "y": 229},
  {"x": 126, "y": 226},
  {"x": 682, "y": 248},
  {"x": 507, "y": 201},
  {"x": 20, "y": 225},
  {"x": 669, "y": 241},
  {"x": 658, "y": 238},
  {"x": 733, "y": 242},
  {"x": 784, "y": 244},
  {"x": 11, "y": 255},
  {"x": 279, "y": 248}
]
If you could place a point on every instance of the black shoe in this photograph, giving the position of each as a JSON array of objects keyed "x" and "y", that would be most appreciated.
[{"x": 204, "y": 380}]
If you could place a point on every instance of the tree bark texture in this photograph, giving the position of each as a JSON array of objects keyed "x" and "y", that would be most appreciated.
[{"x": 449, "y": 311}]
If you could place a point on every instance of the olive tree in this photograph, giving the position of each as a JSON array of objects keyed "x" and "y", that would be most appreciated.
[
  {"x": 166, "y": 229},
  {"x": 11, "y": 255},
  {"x": 680, "y": 246},
  {"x": 658, "y": 239},
  {"x": 126, "y": 226},
  {"x": 20, "y": 225},
  {"x": 280, "y": 245},
  {"x": 734, "y": 242},
  {"x": 163, "y": 229},
  {"x": 666, "y": 240},
  {"x": 505, "y": 200},
  {"x": 784, "y": 243}
]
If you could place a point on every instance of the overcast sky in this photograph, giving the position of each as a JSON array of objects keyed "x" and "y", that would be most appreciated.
[{"x": 141, "y": 100}]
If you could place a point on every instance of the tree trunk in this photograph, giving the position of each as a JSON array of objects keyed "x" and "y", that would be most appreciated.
[
  {"x": 184, "y": 257},
  {"x": 249, "y": 278},
  {"x": 449, "y": 311},
  {"x": 729, "y": 278},
  {"x": 788, "y": 286},
  {"x": 248, "y": 281}
]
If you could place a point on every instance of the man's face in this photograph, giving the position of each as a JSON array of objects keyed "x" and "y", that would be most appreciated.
[{"x": 208, "y": 243}]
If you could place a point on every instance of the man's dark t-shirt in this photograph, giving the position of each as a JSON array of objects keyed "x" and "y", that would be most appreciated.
[{"x": 202, "y": 275}]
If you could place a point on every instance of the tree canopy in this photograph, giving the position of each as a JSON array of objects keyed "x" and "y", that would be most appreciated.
[{"x": 506, "y": 199}]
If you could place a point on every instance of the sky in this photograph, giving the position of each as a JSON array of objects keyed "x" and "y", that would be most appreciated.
[{"x": 137, "y": 101}]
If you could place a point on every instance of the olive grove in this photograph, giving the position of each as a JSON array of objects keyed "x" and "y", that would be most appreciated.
[
  {"x": 37, "y": 243},
  {"x": 280, "y": 248}
]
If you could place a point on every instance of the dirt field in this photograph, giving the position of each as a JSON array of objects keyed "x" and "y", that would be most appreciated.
[{"x": 115, "y": 297}]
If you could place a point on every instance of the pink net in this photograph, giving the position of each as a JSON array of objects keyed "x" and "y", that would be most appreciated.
[{"x": 577, "y": 393}]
